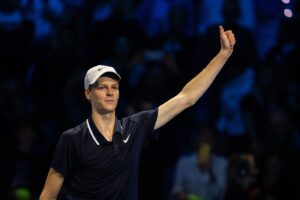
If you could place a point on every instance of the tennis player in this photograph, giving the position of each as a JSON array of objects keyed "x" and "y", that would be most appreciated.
[{"x": 99, "y": 159}]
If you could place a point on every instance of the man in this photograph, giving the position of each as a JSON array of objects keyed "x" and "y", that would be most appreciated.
[
  {"x": 202, "y": 173},
  {"x": 99, "y": 159},
  {"x": 241, "y": 175}
]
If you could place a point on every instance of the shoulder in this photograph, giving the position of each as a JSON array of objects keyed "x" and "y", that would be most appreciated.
[
  {"x": 73, "y": 133},
  {"x": 143, "y": 115}
]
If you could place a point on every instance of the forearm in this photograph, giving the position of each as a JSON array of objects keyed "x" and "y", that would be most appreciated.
[
  {"x": 52, "y": 186},
  {"x": 47, "y": 195},
  {"x": 194, "y": 89}
]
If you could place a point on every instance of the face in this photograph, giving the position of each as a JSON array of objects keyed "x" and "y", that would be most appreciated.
[{"x": 104, "y": 96}]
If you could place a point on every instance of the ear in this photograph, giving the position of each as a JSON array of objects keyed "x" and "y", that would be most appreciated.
[{"x": 87, "y": 93}]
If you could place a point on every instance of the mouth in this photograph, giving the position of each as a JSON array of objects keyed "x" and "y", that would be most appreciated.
[{"x": 109, "y": 101}]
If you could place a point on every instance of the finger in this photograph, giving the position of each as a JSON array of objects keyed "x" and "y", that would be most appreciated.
[
  {"x": 222, "y": 33},
  {"x": 221, "y": 29},
  {"x": 231, "y": 38},
  {"x": 229, "y": 32}
]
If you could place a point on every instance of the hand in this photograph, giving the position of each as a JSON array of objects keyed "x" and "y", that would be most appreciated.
[
  {"x": 204, "y": 157},
  {"x": 227, "y": 41}
]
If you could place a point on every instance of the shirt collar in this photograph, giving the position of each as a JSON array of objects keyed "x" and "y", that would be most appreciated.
[{"x": 96, "y": 134}]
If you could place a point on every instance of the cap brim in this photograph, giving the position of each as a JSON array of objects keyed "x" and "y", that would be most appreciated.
[{"x": 111, "y": 75}]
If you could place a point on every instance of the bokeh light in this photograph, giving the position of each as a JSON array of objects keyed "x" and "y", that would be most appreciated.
[
  {"x": 288, "y": 13},
  {"x": 285, "y": 1}
]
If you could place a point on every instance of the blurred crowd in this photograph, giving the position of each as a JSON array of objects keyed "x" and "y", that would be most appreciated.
[{"x": 240, "y": 141}]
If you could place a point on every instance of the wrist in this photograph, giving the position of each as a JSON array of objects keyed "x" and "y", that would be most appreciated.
[{"x": 225, "y": 54}]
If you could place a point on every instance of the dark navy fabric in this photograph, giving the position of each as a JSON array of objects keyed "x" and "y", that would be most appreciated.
[{"x": 108, "y": 170}]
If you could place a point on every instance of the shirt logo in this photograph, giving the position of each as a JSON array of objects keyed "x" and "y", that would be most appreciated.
[{"x": 126, "y": 140}]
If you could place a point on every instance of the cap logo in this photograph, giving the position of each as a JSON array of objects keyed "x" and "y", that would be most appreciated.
[{"x": 101, "y": 68}]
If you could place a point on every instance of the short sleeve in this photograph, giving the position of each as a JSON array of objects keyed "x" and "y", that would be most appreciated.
[
  {"x": 145, "y": 122},
  {"x": 65, "y": 155}
]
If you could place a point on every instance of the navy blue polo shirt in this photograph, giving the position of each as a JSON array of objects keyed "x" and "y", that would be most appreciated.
[{"x": 94, "y": 168}]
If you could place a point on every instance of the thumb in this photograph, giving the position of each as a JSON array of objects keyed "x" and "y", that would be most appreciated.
[
  {"x": 223, "y": 38},
  {"x": 221, "y": 29},
  {"x": 222, "y": 33}
]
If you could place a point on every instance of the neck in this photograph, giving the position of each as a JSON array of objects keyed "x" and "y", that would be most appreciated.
[{"x": 105, "y": 123}]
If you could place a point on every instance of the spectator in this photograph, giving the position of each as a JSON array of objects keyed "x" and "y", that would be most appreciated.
[
  {"x": 202, "y": 173},
  {"x": 280, "y": 141},
  {"x": 15, "y": 37},
  {"x": 154, "y": 14},
  {"x": 241, "y": 174},
  {"x": 27, "y": 153},
  {"x": 210, "y": 14},
  {"x": 125, "y": 24},
  {"x": 246, "y": 54},
  {"x": 267, "y": 24},
  {"x": 44, "y": 15}
]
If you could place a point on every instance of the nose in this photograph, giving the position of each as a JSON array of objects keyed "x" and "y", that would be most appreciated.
[{"x": 109, "y": 92}]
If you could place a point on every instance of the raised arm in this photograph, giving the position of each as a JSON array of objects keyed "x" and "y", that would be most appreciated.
[
  {"x": 52, "y": 186},
  {"x": 195, "y": 88}
]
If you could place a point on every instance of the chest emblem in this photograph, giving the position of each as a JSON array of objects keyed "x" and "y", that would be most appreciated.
[{"x": 126, "y": 140}]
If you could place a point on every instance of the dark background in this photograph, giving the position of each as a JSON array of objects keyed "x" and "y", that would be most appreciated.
[{"x": 46, "y": 46}]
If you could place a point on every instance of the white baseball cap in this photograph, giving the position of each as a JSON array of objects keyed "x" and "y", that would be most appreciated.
[{"x": 94, "y": 73}]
